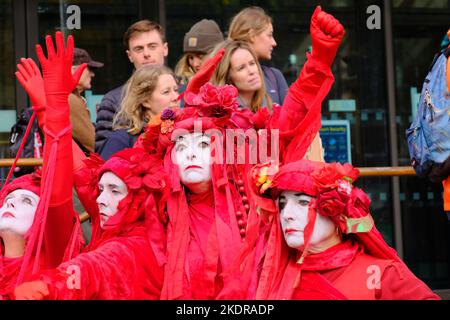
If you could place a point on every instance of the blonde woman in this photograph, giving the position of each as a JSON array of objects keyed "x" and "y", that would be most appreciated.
[
  {"x": 197, "y": 42},
  {"x": 254, "y": 26},
  {"x": 150, "y": 90},
  {"x": 239, "y": 67}
]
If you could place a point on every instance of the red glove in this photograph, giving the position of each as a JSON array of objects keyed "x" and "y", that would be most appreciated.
[
  {"x": 31, "y": 80},
  {"x": 205, "y": 73},
  {"x": 326, "y": 35},
  {"x": 34, "y": 290},
  {"x": 58, "y": 79}
]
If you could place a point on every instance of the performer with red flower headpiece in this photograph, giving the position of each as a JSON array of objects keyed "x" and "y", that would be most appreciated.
[
  {"x": 124, "y": 198},
  {"x": 210, "y": 210},
  {"x": 323, "y": 243},
  {"x": 206, "y": 224}
]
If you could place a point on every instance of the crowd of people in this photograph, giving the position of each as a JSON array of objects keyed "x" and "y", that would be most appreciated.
[{"x": 177, "y": 209}]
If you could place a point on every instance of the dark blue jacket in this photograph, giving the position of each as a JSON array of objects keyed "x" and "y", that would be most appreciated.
[
  {"x": 109, "y": 106},
  {"x": 276, "y": 85},
  {"x": 117, "y": 140}
]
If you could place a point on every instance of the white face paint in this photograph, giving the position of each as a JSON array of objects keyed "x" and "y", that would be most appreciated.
[
  {"x": 112, "y": 190},
  {"x": 18, "y": 210},
  {"x": 294, "y": 217},
  {"x": 193, "y": 156}
]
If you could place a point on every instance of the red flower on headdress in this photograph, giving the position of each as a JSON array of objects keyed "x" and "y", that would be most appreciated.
[
  {"x": 359, "y": 205},
  {"x": 213, "y": 101},
  {"x": 262, "y": 176},
  {"x": 167, "y": 126},
  {"x": 146, "y": 170},
  {"x": 339, "y": 200},
  {"x": 332, "y": 203},
  {"x": 334, "y": 187},
  {"x": 330, "y": 175},
  {"x": 168, "y": 114},
  {"x": 166, "y": 120}
]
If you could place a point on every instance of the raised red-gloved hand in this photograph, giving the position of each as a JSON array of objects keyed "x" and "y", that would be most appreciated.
[
  {"x": 205, "y": 73},
  {"x": 31, "y": 80},
  {"x": 57, "y": 69},
  {"x": 34, "y": 290},
  {"x": 58, "y": 80},
  {"x": 326, "y": 35}
]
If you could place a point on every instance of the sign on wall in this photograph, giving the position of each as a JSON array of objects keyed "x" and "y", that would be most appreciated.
[{"x": 335, "y": 135}]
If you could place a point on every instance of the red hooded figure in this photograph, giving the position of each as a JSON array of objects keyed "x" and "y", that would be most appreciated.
[
  {"x": 21, "y": 214},
  {"x": 207, "y": 214},
  {"x": 209, "y": 217},
  {"x": 323, "y": 243},
  {"x": 119, "y": 262}
]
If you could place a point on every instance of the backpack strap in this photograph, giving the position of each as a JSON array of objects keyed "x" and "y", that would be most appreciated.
[{"x": 445, "y": 52}]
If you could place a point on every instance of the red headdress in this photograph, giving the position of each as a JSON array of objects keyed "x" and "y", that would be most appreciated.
[
  {"x": 146, "y": 183},
  {"x": 30, "y": 182},
  {"x": 9, "y": 268},
  {"x": 335, "y": 197}
]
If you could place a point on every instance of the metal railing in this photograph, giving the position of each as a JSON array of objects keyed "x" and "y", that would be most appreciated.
[{"x": 364, "y": 172}]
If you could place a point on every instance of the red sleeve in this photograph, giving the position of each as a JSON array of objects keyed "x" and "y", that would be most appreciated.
[
  {"x": 123, "y": 268},
  {"x": 303, "y": 92},
  {"x": 40, "y": 115},
  {"x": 399, "y": 283},
  {"x": 300, "y": 117},
  {"x": 61, "y": 214}
]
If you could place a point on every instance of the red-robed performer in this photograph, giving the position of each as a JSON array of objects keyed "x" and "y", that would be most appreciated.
[
  {"x": 323, "y": 243},
  {"x": 208, "y": 207},
  {"x": 122, "y": 197},
  {"x": 37, "y": 218}
]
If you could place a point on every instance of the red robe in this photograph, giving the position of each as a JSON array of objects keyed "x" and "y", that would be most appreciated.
[
  {"x": 120, "y": 261},
  {"x": 121, "y": 267},
  {"x": 344, "y": 272},
  {"x": 62, "y": 227}
]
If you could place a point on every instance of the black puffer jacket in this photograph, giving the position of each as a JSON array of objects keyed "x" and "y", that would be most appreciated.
[{"x": 109, "y": 106}]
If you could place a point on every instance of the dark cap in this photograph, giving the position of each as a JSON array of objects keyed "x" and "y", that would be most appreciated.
[
  {"x": 81, "y": 56},
  {"x": 202, "y": 37}
]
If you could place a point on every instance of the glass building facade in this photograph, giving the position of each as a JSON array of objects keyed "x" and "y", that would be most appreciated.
[{"x": 378, "y": 74}]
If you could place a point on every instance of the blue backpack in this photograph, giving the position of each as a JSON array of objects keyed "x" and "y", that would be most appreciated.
[{"x": 429, "y": 134}]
